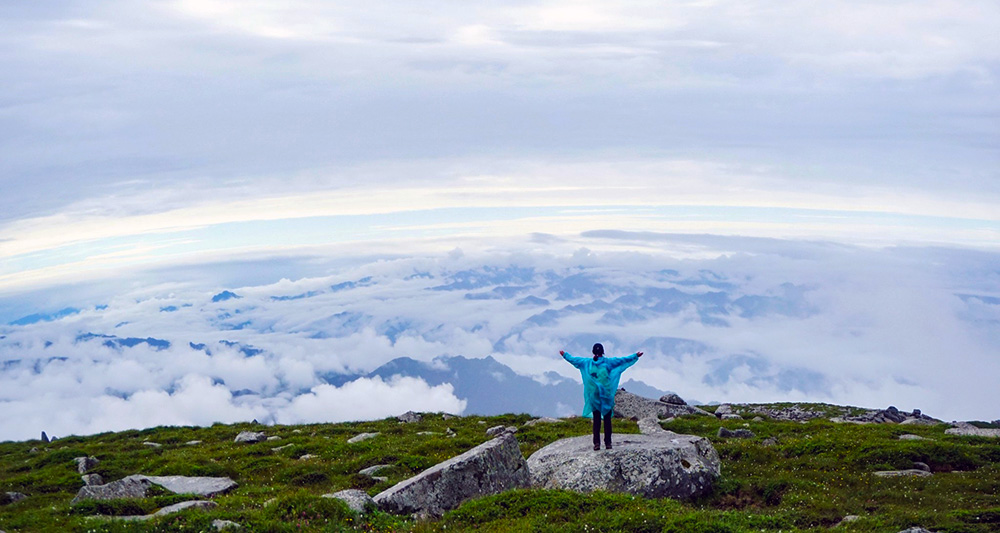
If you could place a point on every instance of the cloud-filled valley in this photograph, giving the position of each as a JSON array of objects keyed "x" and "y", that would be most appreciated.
[{"x": 763, "y": 320}]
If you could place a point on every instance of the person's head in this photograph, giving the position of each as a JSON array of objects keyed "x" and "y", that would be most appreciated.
[{"x": 598, "y": 351}]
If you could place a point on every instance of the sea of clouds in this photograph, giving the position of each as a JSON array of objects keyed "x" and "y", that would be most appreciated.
[{"x": 720, "y": 319}]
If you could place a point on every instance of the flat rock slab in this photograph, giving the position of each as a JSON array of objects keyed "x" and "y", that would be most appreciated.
[
  {"x": 973, "y": 431},
  {"x": 913, "y": 472},
  {"x": 660, "y": 465},
  {"x": 202, "y": 486},
  {"x": 136, "y": 486},
  {"x": 170, "y": 509},
  {"x": 490, "y": 468},
  {"x": 362, "y": 437}
]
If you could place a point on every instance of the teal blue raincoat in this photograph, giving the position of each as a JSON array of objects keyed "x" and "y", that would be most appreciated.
[{"x": 600, "y": 380}]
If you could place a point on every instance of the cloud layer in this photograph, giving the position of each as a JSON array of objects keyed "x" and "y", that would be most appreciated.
[{"x": 729, "y": 319}]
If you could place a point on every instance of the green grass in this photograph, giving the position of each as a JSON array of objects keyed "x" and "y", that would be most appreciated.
[{"x": 817, "y": 473}]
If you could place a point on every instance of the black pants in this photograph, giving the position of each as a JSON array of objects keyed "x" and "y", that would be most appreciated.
[{"x": 597, "y": 429}]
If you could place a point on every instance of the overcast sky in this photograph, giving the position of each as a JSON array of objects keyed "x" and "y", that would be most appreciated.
[{"x": 151, "y": 140}]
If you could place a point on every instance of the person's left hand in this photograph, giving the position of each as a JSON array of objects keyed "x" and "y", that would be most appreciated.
[{"x": 638, "y": 354}]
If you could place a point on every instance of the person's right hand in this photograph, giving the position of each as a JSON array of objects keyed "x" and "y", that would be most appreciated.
[{"x": 562, "y": 352}]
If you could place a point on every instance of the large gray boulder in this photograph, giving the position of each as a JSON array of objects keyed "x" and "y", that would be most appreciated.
[
  {"x": 635, "y": 407},
  {"x": 490, "y": 468},
  {"x": 250, "y": 437},
  {"x": 661, "y": 464}
]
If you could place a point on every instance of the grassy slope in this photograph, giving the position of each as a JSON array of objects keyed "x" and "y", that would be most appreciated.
[{"x": 816, "y": 474}]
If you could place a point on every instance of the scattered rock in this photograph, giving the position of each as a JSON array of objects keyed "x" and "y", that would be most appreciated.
[
  {"x": 909, "y": 436},
  {"x": 757, "y": 419},
  {"x": 92, "y": 480},
  {"x": 673, "y": 399},
  {"x": 848, "y": 519},
  {"x": 45, "y": 438},
  {"x": 274, "y": 438},
  {"x": 662, "y": 465},
  {"x": 497, "y": 430},
  {"x": 296, "y": 431},
  {"x": 307, "y": 456},
  {"x": 770, "y": 441},
  {"x": 973, "y": 431},
  {"x": 902, "y": 473},
  {"x": 357, "y": 500},
  {"x": 409, "y": 417},
  {"x": 481, "y": 422},
  {"x": 84, "y": 464},
  {"x": 129, "y": 487},
  {"x": 426, "y": 433},
  {"x": 635, "y": 407},
  {"x": 192, "y": 443},
  {"x": 362, "y": 437},
  {"x": 372, "y": 470},
  {"x": 11, "y": 497},
  {"x": 33, "y": 450},
  {"x": 918, "y": 422},
  {"x": 219, "y": 525},
  {"x": 724, "y": 409},
  {"x": 737, "y": 433},
  {"x": 543, "y": 420},
  {"x": 450, "y": 432},
  {"x": 279, "y": 448},
  {"x": 650, "y": 426},
  {"x": 447, "y": 416},
  {"x": 921, "y": 466},
  {"x": 152, "y": 444},
  {"x": 916, "y": 530},
  {"x": 731, "y": 416},
  {"x": 490, "y": 468},
  {"x": 250, "y": 437}
]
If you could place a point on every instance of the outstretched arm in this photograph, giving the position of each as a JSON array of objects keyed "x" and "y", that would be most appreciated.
[
  {"x": 578, "y": 362},
  {"x": 626, "y": 361}
]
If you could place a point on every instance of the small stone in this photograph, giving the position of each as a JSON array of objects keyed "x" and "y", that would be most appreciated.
[
  {"x": 357, "y": 500},
  {"x": 916, "y": 530},
  {"x": 33, "y": 450},
  {"x": 848, "y": 519},
  {"x": 757, "y": 419},
  {"x": 770, "y": 441},
  {"x": 916, "y": 412},
  {"x": 409, "y": 417},
  {"x": 219, "y": 525},
  {"x": 12, "y": 497},
  {"x": 447, "y": 416},
  {"x": 739, "y": 433},
  {"x": 274, "y": 438},
  {"x": 362, "y": 437},
  {"x": 499, "y": 430},
  {"x": 723, "y": 409},
  {"x": 909, "y": 436},
  {"x": 152, "y": 444},
  {"x": 296, "y": 431},
  {"x": 921, "y": 466},
  {"x": 307, "y": 456},
  {"x": 85, "y": 464},
  {"x": 250, "y": 437},
  {"x": 731, "y": 416},
  {"x": 45, "y": 438},
  {"x": 192, "y": 443},
  {"x": 482, "y": 422},
  {"x": 92, "y": 480},
  {"x": 279, "y": 448},
  {"x": 450, "y": 432},
  {"x": 426, "y": 433}
]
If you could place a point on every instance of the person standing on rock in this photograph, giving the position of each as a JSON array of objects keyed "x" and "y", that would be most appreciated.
[{"x": 600, "y": 383}]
